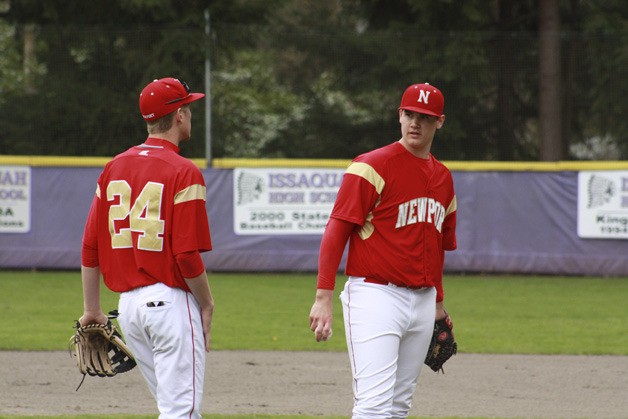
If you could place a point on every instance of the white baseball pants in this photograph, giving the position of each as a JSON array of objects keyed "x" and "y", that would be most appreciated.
[
  {"x": 388, "y": 331},
  {"x": 162, "y": 327}
]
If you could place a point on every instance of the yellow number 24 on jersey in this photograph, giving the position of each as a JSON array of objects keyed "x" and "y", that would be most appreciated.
[{"x": 144, "y": 216}]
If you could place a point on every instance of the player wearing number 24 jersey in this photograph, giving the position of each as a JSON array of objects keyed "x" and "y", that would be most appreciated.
[
  {"x": 145, "y": 193},
  {"x": 397, "y": 209},
  {"x": 144, "y": 233}
]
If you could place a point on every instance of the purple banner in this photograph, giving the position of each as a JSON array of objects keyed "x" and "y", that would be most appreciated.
[{"x": 508, "y": 222}]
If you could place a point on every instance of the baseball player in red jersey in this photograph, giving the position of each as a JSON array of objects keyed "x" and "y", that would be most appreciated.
[
  {"x": 397, "y": 208},
  {"x": 145, "y": 230}
]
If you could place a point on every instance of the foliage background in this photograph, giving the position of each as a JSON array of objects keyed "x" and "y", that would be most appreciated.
[{"x": 310, "y": 79}]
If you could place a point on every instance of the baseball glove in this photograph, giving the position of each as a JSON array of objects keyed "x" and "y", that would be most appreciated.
[
  {"x": 100, "y": 350},
  {"x": 443, "y": 345}
]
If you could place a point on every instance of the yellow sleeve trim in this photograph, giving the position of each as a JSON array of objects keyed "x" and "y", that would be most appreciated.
[
  {"x": 368, "y": 173},
  {"x": 453, "y": 206},
  {"x": 191, "y": 193},
  {"x": 368, "y": 228}
]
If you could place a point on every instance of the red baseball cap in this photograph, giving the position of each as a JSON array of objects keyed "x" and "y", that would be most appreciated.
[
  {"x": 165, "y": 96},
  {"x": 423, "y": 98}
]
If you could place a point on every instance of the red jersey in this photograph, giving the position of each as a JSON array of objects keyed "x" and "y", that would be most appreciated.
[
  {"x": 405, "y": 209},
  {"x": 149, "y": 206}
]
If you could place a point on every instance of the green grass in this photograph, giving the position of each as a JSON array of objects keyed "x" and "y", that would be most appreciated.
[
  {"x": 539, "y": 315},
  {"x": 492, "y": 314},
  {"x": 253, "y": 311}
]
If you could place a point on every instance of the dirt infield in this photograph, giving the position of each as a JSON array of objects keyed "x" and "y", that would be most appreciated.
[{"x": 317, "y": 383}]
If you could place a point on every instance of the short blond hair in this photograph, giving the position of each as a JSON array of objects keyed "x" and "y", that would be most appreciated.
[
  {"x": 164, "y": 123},
  {"x": 160, "y": 125}
]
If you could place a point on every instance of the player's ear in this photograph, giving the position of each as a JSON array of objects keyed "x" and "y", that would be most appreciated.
[
  {"x": 440, "y": 121},
  {"x": 179, "y": 115}
]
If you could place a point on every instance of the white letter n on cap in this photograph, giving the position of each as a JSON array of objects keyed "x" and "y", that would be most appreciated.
[{"x": 424, "y": 96}]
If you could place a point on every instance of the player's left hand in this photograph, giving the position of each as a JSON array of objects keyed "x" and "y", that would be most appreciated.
[
  {"x": 207, "y": 314},
  {"x": 443, "y": 344},
  {"x": 440, "y": 310}
]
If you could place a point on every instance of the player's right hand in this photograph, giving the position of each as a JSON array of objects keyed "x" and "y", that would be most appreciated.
[
  {"x": 321, "y": 315},
  {"x": 93, "y": 317}
]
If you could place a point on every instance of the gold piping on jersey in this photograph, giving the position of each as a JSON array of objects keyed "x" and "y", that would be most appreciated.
[
  {"x": 190, "y": 193},
  {"x": 368, "y": 228},
  {"x": 366, "y": 172},
  {"x": 369, "y": 174},
  {"x": 453, "y": 206}
]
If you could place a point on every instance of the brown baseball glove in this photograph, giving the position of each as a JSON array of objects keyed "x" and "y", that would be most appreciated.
[
  {"x": 443, "y": 345},
  {"x": 100, "y": 350}
]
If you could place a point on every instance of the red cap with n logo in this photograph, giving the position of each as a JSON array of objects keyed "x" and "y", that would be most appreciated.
[{"x": 423, "y": 98}]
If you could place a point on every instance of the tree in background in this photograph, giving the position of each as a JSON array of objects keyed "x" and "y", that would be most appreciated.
[
  {"x": 315, "y": 79},
  {"x": 595, "y": 90}
]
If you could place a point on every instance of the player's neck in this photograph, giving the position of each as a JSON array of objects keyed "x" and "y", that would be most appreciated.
[
  {"x": 167, "y": 136},
  {"x": 420, "y": 151}
]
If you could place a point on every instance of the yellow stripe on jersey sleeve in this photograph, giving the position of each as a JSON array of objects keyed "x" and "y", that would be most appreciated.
[
  {"x": 191, "y": 193},
  {"x": 453, "y": 206},
  {"x": 366, "y": 172},
  {"x": 368, "y": 228}
]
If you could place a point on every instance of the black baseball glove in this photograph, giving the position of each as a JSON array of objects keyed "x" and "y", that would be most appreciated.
[
  {"x": 443, "y": 345},
  {"x": 100, "y": 350}
]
